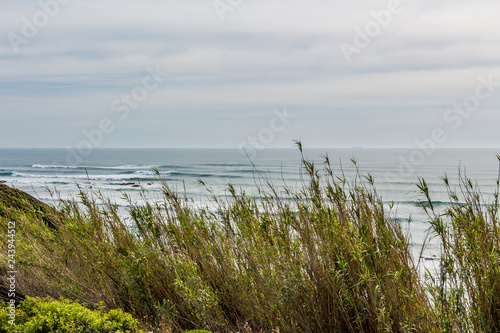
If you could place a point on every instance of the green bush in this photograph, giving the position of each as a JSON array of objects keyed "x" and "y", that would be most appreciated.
[{"x": 48, "y": 315}]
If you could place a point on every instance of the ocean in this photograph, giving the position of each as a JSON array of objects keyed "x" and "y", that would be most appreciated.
[{"x": 118, "y": 171}]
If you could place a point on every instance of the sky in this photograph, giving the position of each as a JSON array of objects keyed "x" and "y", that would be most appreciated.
[{"x": 237, "y": 73}]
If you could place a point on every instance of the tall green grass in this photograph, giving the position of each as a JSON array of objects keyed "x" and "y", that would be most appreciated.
[
  {"x": 466, "y": 290},
  {"x": 332, "y": 258}
]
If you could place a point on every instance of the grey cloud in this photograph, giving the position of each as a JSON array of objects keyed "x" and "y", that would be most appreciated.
[{"x": 263, "y": 55}]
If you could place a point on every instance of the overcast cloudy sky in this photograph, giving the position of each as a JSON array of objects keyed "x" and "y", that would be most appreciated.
[{"x": 227, "y": 67}]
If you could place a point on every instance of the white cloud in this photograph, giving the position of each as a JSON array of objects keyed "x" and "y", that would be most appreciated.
[{"x": 263, "y": 55}]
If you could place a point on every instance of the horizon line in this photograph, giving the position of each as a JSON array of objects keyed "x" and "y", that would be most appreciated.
[{"x": 236, "y": 148}]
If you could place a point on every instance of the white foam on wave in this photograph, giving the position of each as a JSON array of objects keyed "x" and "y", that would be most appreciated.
[
  {"x": 38, "y": 182},
  {"x": 85, "y": 177},
  {"x": 42, "y": 166},
  {"x": 151, "y": 173},
  {"x": 133, "y": 167},
  {"x": 119, "y": 167}
]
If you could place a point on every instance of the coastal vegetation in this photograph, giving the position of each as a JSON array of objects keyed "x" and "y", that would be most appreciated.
[
  {"x": 47, "y": 315},
  {"x": 333, "y": 258}
]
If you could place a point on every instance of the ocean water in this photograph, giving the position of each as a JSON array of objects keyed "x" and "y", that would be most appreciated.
[{"x": 118, "y": 171}]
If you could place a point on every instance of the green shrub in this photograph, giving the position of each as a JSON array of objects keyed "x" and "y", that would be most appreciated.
[{"x": 48, "y": 315}]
